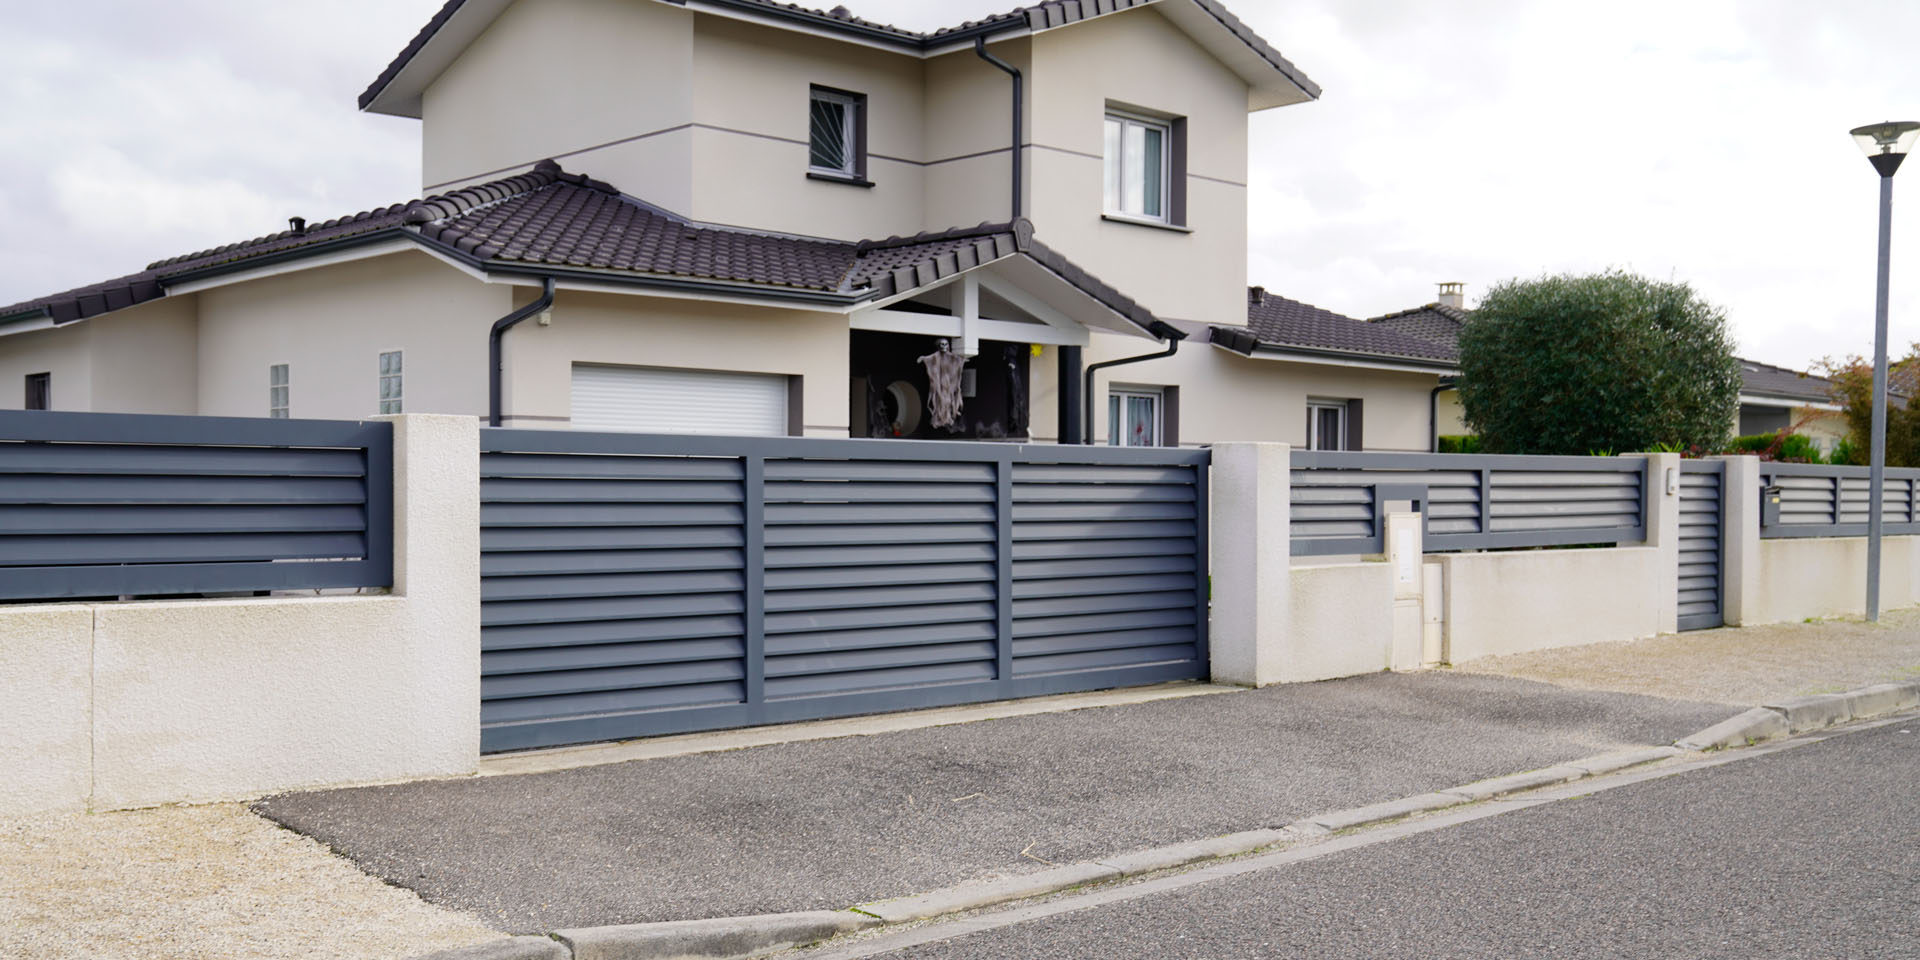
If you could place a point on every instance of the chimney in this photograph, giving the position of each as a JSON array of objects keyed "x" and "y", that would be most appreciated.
[
  {"x": 1256, "y": 295},
  {"x": 298, "y": 225},
  {"x": 1453, "y": 295}
]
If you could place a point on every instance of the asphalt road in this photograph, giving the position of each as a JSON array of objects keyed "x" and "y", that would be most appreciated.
[
  {"x": 832, "y": 823},
  {"x": 1808, "y": 852}
]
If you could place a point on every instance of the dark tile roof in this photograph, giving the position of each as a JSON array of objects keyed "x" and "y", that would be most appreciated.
[
  {"x": 1276, "y": 322},
  {"x": 1767, "y": 380},
  {"x": 550, "y": 218},
  {"x": 1434, "y": 321},
  {"x": 1039, "y": 16}
]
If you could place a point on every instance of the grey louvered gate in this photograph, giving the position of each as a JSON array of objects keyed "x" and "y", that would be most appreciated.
[
  {"x": 1702, "y": 548},
  {"x": 641, "y": 585}
]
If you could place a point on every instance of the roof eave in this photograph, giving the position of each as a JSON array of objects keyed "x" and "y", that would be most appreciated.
[{"x": 1319, "y": 354}]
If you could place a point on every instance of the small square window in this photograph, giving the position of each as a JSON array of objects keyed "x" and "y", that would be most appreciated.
[
  {"x": 836, "y": 143},
  {"x": 1133, "y": 418},
  {"x": 390, "y": 382},
  {"x": 278, "y": 390},
  {"x": 1138, "y": 161},
  {"x": 1326, "y": 425}
]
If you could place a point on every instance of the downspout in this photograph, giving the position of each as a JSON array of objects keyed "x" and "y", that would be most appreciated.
[
  {"x": 500, "y": 328},
  {"x": 1173, "y": 336},
  {"x": 1433, "y": 411},
  {"x": 980, "y": 48}
]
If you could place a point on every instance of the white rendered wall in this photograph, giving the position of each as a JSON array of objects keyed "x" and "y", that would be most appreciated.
[
  {"x": 1802, "y": 577},
  {"x": 1520, "y": 600}
]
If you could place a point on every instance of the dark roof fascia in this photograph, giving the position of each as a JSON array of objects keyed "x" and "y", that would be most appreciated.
[
  {"x": 896, "y": 37},
  {"x": 658, "y": 281},
  {"x": 1258, "y": 45},
  {"x": 25, "y": 315},
  {"x": 1225, "y": 339}
]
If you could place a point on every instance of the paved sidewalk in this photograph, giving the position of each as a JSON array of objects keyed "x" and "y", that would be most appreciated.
[
  {"x": 1744, "y": 665},
  {"x": 201, "y": 882},
  {"x": 830, "y": 823}
]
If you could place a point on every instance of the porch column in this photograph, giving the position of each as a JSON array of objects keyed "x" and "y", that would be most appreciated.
[{"x": 1070, "y": 375}]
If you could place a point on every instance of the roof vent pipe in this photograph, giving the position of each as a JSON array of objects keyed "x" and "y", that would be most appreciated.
[
  {"x": 1256, "y": 295},
  {"x": 980, "y": 48},
  {"x": 298, "y": 225}
]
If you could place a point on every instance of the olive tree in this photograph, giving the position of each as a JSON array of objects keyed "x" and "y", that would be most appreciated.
[{"x": 1612, "y": 362}]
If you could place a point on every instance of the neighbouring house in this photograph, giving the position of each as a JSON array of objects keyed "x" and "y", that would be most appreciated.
[{"x": 740, "y": 216}]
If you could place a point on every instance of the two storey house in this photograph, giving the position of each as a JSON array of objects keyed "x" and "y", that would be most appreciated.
[{"x": 742, "y": 216}]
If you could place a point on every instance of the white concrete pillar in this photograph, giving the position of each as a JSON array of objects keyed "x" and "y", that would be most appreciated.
[
  {"x": 1404, "y": 551},
  {"x": 1663, "y": 533},
  {"x": 1741, "y": 599},
  {"x": 436, "y": 566},
  {"x": 1251, "y": 561}
]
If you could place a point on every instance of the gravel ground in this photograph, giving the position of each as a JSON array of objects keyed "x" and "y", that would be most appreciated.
[
  {"x": 201, "y": 882},
  {"x": 1744, "y": 665}
]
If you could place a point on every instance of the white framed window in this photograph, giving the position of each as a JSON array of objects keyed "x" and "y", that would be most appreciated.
[
  {"x": 1134, "y": 417},
  {"x": 278, "y": 388},
  {"x": 1138, "y": 160},
  {"x": 1326, "y": 425},
  {"x": 39, "y": 392},
  {"x": 391, "y": 382},
  {"x": 833, "y": 140}
]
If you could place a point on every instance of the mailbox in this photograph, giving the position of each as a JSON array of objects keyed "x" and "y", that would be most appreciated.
[{"x": 1770, "y": 505}]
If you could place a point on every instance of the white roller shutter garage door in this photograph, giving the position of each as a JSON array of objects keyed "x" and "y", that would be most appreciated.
[{"x": 661, "y": 400}]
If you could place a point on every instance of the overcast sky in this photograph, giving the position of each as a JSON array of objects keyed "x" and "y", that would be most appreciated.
[{"x": 1472, "y": 140}]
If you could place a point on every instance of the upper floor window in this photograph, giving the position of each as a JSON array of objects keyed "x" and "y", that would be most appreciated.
[
  {"x": 277, "y": 391},
  {"x": 39, "y": 391},
  {"x": 390, "y": 382},
  {"x": 1139, "y": 159},
  {"x": 837, "y": 135}
]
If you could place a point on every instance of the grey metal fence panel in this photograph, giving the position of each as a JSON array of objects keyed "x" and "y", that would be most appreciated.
[
  {"x": 1827, "y": 500},
  {"x": 1702, "y": 546},
  {"x": 102, "y": 505},
  {"x": 637, "y": 585},
  {"x": 1468, "y": 501}
]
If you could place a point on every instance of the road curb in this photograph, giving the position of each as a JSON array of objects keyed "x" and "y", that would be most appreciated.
[
  {"x": 739, "y": 938},
  {"x": 1804, "y": 714}
]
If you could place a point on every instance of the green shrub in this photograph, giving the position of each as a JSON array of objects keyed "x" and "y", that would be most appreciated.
[
  {"x": 1611, "y": 361},
  {"x": 1845, "y": 453},
  {"x": 1459, "y": 443},
  {"x": 1750, "y": 443}
]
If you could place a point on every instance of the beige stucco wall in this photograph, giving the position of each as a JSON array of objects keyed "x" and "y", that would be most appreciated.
[
  {"x": 606, "y": 328},
  {"x": 1138, "y": 59},
  {"x": 62, "y": 352},
  {"x": 146, "y": 359},
  {"x": 557, "y": 77},
  {"x": 1340, "y": 621},
  {"x": 969, "y": 132},
  {"x": 46, "y": 708},
  {"x": 330, "y": 324},
  {"x": 1453, "y": 416},
  {"x": 1802, "y": 577},
  {"x": 1228, "y": 397},
  {"x": 1520, "y": 600}
]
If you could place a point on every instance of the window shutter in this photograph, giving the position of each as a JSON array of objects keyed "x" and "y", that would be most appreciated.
[
  {"x": 659, "y": 400},
  {"x": 1353, "y": 425},
  {"x": 1170, "y": 417}
]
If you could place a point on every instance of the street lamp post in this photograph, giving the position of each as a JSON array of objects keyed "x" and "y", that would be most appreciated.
[{"x": 1886, "y": 144}]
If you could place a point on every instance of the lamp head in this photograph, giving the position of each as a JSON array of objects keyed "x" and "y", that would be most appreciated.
[{"x": 1886, "y": 144}]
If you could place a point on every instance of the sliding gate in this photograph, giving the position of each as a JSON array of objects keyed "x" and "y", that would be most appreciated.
[{"x": 635, "y": 585}]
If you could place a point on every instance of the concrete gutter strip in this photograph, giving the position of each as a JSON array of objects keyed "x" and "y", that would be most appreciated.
[
  {"x": 1193, "y": 851},
  {"x": 716, "y": 938},
  {"x": 512, "y": 948},
  {"x": 1381, "y": 812},
  {"x": 1488, "y": 789},
  {"x": 1804, "y": 714},
  {"x": 974, "y": 896}
]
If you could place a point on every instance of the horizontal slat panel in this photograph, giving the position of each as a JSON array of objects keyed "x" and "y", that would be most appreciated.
[
  {"x": 857, "y": 618},
  {"x": 805, "y": 578},
  {"x": 509, "y": 564},
  {"x": 821, "y": 640},
  {"x": 588, "y": 539},
  {"x": 1101, "y": 623},
  {"x": 844, "y": 661},
  {"x": 879, "y": 513},
  {"x": 58, "y": 550},
  {"x": 183, "y": 518},
  {"x": 1112, "y": 640},
  {"x": 612, "y": 585},
  {"x": 1112, "y": 530},
  {"x": 904, "y": 472},
  {"x": 630, "y": 468},
  {"x": 1058, "y": 473},
  {"x": 1114, "y": 567},
  {"x": 789, "y": 601},
  {"x": 815, "y": 685},
  {"x": 800, "y": 491},
  {"x": 536, "y": 660},
  {"x": 1101, "y": 659},
  {"x": 607, "y": 608},
  {"x": 560, "y": 682},
  {"x": 1097, "y": 492},
  {"x": 173, "y": 460},
  {"x": 504, "y": 637},
  {"x": 594, "y": 492},
  {"x": 795, "y": 535},
  {"x": 871, "y": 554},
  {"x": 1106, "y": 603},
  {"x": 1050, "y": 549},
  {"x": 608, "y": 514},
  {"x": 610, "y": 701},
  {"x": 62, "y": 489},
  {"x": 1097, "y": 586},
  {"x": 1156, "y": 510}
]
